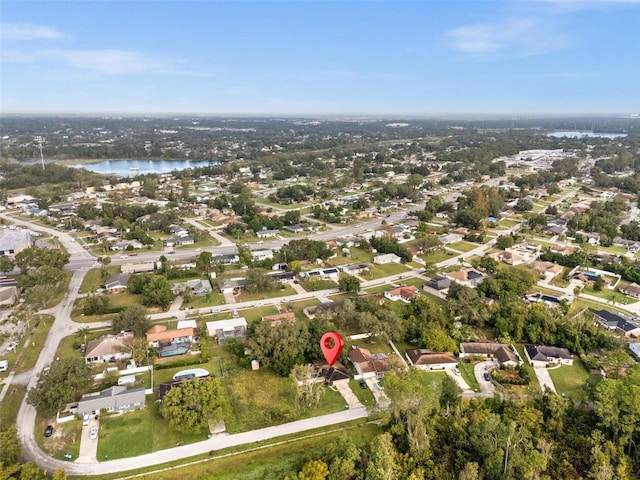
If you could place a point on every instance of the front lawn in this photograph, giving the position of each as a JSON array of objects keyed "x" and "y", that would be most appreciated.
[
  {"x": 65, "y": 438},
  {"x": 467, "y": 373},
  {"x": 437, "y": 256},
  {"x": 94, "y": 279},
  {"x": 136, "y": 433},
  {"x": 381, "y": 271},
  {"x": 317, "y": 284},
  {"x": 463, "y": 246},
  {"x": 364, "y": 395},
  {"x": 284, "y": 291},
  {"x": 33, "y": 343},
  {"x": 570, "y": 380}
]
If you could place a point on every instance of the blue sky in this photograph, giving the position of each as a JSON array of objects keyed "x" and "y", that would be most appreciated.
[{"x": 320, "y": 57}]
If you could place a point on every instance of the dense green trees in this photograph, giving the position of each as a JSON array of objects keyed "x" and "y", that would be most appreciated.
[
  {"x": 61, "y": 384},
  {"x": 36, "y": 257},
  {"x": 348, "y": 283},
  {"x": 195, "y": 404},
  {"x": 132, "y": 318}
]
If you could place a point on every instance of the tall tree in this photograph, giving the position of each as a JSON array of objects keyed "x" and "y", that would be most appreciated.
[{"x": 195, "y": 404}]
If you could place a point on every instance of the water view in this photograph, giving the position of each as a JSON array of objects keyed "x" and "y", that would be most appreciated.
[
  {"x": 578, "y": 134},
  {"x": 126, "y": 168}
]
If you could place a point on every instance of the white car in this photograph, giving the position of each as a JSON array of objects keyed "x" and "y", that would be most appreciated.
[
  {"x": 456, "y": 371},
  {"x": 258, "y": 304},
  {"x": 93, "y": 433}
]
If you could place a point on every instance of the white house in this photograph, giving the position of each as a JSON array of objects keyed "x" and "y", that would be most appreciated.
[
  {"x": 428, "y": 360},
  {"x": 386, "y": 258},
  {"x": 225, "y": 329},
  {"x": 540, "y": 356}
]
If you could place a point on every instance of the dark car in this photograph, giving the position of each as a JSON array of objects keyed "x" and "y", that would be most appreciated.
[
  {"x": 487, "y": 377},
  {"x": 48, "y": 431},
  {"x": 363, "y": 384}
]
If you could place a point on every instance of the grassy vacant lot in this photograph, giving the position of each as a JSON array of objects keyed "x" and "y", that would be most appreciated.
[
  {"x": 463, "y": 246},
  {"x": 279, "y": 292},
  {"x": 569, "y": 380},
  {"x": 135, "y": 433},
  {"x": 10, "y": 406},
  {"x": 437, "y": 256},
  {"x": 380, "y": 271},
  {"x": 33, "y": 344},
  {"x": 262, "y": 398},
  {"x": 65, "y": 439},
  {"x": 317, "y": 284},
  {"x": 378, "y": 289},
  {"x": 94, "y": 279},
  {"x": 433, "y": 380}
]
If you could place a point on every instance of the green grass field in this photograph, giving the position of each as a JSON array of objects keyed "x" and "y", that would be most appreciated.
[
  {"x": 437, "y": 256},
  {"x": 463, "y": 246},
  {"x": 466, "y": 371},
  {"x": 33, "y": 344},
  {"x": 10, "y": 406},
  {"x": 380, "y": 271},
  {"x": 569, "y": 380}
]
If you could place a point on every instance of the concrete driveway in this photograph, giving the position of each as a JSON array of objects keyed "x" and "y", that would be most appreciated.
[
  {"x": 348, "y": 395},
  {"x": 544, "y": 379},
  {"x": 381, "y": 398},
  {"x": 88, "y": 447},
  {"x": 459, "y": 380},
  {"x": 486, "y": 388}
]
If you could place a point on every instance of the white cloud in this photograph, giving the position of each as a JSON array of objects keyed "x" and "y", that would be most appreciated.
[
  {"x": 520, "y": 36},
  {"x": 108, "y": 62},
  {"x": 28, "y": 31}
]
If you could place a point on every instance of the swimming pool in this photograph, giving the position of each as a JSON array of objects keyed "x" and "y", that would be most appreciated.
[{"x": 191, "y": 373}]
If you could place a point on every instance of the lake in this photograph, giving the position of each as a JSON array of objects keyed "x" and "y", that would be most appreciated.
[
  {"x": 125, "y": 168},
  {"x": 577, "y": 134}
]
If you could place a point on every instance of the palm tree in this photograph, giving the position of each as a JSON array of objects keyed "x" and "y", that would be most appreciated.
[{"x": 82, "y": 333}]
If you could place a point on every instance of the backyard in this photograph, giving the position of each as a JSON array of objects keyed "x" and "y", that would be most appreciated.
[{"x": 569, "y": 380}]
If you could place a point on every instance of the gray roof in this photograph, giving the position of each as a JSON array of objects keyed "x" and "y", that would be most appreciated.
[
  {"x": 614, "y": 320},
  {"x": 543, "y": 354},
  {"x": 117, "y": 280},
  {"x": 10, "y": 239},
  {"x": 111, "y": 398}
]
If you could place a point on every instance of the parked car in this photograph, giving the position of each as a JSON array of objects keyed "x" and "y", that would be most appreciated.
[
  {"x": 379, "y": 385},
  {"x": 363, "y": 384},
  {"x": 215, "y": 310},
  {"x": 48, "y": 431},
  {"x": 93, "y": 433},
  {"x": 456, "y": 371},
  {"x": 258, "y": 304},
  {"x": 487, "y": 377}
]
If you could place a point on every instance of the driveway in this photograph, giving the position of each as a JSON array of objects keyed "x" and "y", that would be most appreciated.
[
  {"x": 544, "y": 379},
  {"x": 458, "y": 379},
  {"x": 88, "y": 447},
  {"x": 381, "y": 398},
  {"x": 348, "y": 395},
  {"x": 486, "y": 388}
]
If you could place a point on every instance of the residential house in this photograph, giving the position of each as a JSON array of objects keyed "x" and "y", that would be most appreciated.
[
  {"x": 141, "y": 267},
  {"x": 179, "y": 231},
  {"x": 197, "y": 287},
  {"x": 404, "y": 294},
  {"x": 355, "y": 268},
  {"x": 428, "y": 360},
  {"x": 178, "y": 241},
  {"x": 229, "y": 259},
  {"x": 540, "y": 356},
  {"x": 468, "y": 277},
  {"x": 331, "y": 374},
  {"x": 278, "y": 318},
  {"x": 447, "y": 238},
  {"x": 634, "y": 349},
  {"x": 117, "y": 283},
  {"x": 283, "y": 277},
  {"x": 589, "y": 278},
  {"x": 172, "y": 342},
  {"x": 124, "y": 245},
  {"x": 112, "y": 399},
  {"x": 259, "y": 255},
  {"x": 14, "y": 241},
  {"x": 438, "y": 283},
  {"x": 368, "y": 364},
  {"x": 549, "y": 300},
  {"x": 632, "y": 246},
  {"x": 109, "y": 348},
  {"x": 266, "y": 233},
  {"x": 616, "y": 322},
  {"x": 554, "y": 229},
  {"x": 347, "y": 241},
  {"x": 632, "y": 289},
  {"x": 502, "y": 353},
  {"x": 547, "y": 270},
  {"x": 226, "y": 329},
  {"x": 231, "y": 285},
  {"x": 297, "y": 228},
  {"x": 386, "y": 258}
]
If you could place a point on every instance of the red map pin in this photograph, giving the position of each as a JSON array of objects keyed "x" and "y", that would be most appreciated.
[{"x": 331, "y": 344}]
